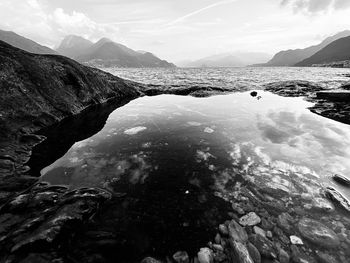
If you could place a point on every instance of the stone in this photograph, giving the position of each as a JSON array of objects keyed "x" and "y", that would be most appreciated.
[
  {"x": 284, "y": 221},
  {"x": 250, "y": 219},
  {"x": 334, "y": 95},
  {"x": 223, "y": 229},
  {"x": 265, "y": 246},
  {"x": 338, "y": 198},
  {"x": 254, "y": 253},
  {"x": 269, "y": 234},
  {"x": 218, "y": 247},
  {"x": 239, "y": 210},
  {"x": 259, "y": 231},
  {"x": 341, "y": 179},
  {"x": 181, "y": 257},
  {"x": 323, "y": 257},
  {"x": 150, "y": 260},
  {"x": 283, "y": 256},
  {"x": 318, "y": 233},
  {"x": 322, "y": 205},
  {"x": 205, "y": 255},
  {"x": 237, "y": 232},
  {"x": 296, "y": 240},
  {"x": 239, "y": 252},
  {"x": 218, "y": 239}
]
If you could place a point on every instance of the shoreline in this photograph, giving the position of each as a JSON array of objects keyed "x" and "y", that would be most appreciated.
[{"x": 53, "y": 212}]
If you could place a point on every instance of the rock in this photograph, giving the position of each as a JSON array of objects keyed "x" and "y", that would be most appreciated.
[
  {"x": 334, "y": 95},
  {"x": 254, "y": 253},
  {"x": 205, "y": 255},
  {"x": 218, "y": 239},
  {"x": 284, "y": 221},
  {"x": 237, "y": 233},
  {"x": 181, "y": 257},
  {"x": 283, "y": 256},
  {"x": 259, "y": 231},
  {"x": 265, "y": 246},
  {"x": 338, "y": 198},
  {"x": 322, "y": 204},
  {"x": 269, "y": 234},
  {"x": 253, "y": 94},
  {"x": 250, "y": 219},
  {"x": 239, "y": 252},
  {"x": 323, "y": 257},
  {"x": 218, "y": 247},
  {"x": 223, "y": 229},
  {"x": 318, "y": 233},
  {"x": 341, "y": 179},
  {"x": 299, "y": 256},
  {"x": 296, "y": 240},
  {"x": 239, "y": 210},
  {"x": 150, "y": 260}
]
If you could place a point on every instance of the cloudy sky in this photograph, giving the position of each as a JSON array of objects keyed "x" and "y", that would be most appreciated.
[{"x": 180, "y": 29}]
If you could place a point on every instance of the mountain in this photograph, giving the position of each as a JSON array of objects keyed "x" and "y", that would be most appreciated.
[
  {"x": 107, "y": 53},
  {"x": 72, "y": 46},
  {"x": 291, "y": 57},
  {"x": 236, "y": 59},
  {"x": 338, "y": 50},
  {"x": 24, "y": 43}
]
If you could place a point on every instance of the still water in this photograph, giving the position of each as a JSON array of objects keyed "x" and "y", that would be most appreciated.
[
  {"x": 175, "y": 163},
  {"x": 204, "y": 137}
]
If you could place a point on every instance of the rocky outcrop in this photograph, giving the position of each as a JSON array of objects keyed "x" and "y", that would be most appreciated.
[{"x": 38, "y": 91}]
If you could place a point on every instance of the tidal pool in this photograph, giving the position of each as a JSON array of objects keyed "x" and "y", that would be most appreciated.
[{"x": 178, "y": 162}]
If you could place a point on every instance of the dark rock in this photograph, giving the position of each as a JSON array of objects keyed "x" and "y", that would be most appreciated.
[
  {"x": 239, "y": 252},
  {"x": 181, "y": 257},
  {"x": 150, "y": 260},
  {"x": 283, "y": 256},
  {"x": 265, "y": 246},
  {"x": 236, "y": 232},
  {"x": 253, "y": 94},
  {"x": 338, "y": 198},
  {"x": 318, "y": 233},
  {"x": 285, "y": 221},
  {"x": 334, "y": 95},
  {"x": 323, "y": 257},
  {"x": 254, "y": 253},
  {"x": 341, "y": 179}
]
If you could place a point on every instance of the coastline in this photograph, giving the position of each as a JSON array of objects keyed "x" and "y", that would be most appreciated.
[{"x": 52, "y": 213}]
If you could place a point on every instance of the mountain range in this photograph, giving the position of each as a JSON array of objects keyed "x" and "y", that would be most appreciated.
[
  {"x": 106, "y": 53},
  {"x": 235, "y": 59},
  {"x": 292, "y": 57},
  {"x": 338, "y": 50},
  {"x": 24, "y": 43}
]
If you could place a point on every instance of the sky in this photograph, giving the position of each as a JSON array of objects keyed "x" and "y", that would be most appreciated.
[{"x": 179, "y": 30}]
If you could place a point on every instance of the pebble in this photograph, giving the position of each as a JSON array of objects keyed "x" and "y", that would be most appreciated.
[
  {"x": 296, "y": 240},
  {"x": 181, "y": 257},
  {"x": 223, "y": 229},
  {"x": 205, "y": 255},
  {"x": 259, "y": 231},
  {"x": 250, "y": 219}
]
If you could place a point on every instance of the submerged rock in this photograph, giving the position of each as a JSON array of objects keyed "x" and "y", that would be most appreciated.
[
  {"x": 181, "y": 257},
  {"x": 341, "y": 179},
  {"x": 318, "y": 233},
  {"x": 250, "y": 219},
  {"x": 236, "y": 232},
  {"x": 205, "y": 255}
]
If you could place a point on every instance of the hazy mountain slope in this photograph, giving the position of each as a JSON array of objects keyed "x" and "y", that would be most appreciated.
[
  {"x": 338, "y": 50},
  {"x": 291, "y": 57},
  {"x": 236, "y": 59},
  {"x": 24, "y": 43},
  {"x": 73, "y": 46},
  {"x": 109, "y": 54}
]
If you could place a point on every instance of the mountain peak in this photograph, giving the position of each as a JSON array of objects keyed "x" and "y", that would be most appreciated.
[{"x": 72, "y": 45}]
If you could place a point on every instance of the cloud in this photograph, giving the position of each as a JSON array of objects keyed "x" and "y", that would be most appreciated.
[{"x": 316, "y": 6}]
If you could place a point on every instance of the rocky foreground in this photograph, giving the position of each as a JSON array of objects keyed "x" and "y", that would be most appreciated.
[{"x": 39, "y": 222}]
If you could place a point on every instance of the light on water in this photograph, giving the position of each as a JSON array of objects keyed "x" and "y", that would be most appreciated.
[{"x": 250, "y": 136}]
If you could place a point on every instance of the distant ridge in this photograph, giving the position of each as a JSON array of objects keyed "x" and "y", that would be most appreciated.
[
  {"x": 24, "y": 43},
  {"x": 72, "y": 46},
  {"x": 291, "y": 57},
  {"x": 338, "y": 50},
  {"x": 107, "y": 53},
  {"x": 234, "y": 59}
]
